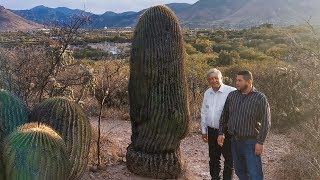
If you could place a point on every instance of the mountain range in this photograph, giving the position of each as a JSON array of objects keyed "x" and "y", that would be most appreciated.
[
  {"x": 61, "y": 15},
  {"x": 204, "y": 13}
]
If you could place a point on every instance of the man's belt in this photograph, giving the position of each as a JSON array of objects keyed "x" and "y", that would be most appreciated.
[
  {"x": 215, "y": 129},
  {"x": 243, "y": 138}
]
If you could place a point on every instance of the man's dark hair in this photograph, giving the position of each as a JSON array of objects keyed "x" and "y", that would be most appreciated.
[{"x": 247, "y": 75}]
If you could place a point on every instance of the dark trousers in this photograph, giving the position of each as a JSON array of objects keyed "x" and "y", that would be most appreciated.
[
  {"x": 248, "y": 166},
  {"x": 215, "y": 152}
]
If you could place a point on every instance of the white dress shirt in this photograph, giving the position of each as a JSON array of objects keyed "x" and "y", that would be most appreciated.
[{"x": 212, "y": 106}]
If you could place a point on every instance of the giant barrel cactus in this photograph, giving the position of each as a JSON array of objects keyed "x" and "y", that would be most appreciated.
[
  {"x": 157, "y": 93},
  {"x": 13, "y": 113},
  {"x": 35, "y": 152},
  {"x": 68, "y": 119}
]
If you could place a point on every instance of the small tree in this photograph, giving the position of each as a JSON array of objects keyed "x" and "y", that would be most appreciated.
[{"x": 111, "y": 79}]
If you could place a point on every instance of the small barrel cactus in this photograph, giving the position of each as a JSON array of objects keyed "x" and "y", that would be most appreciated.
[
  {"x": 68, "y": 119},
  {"x": 35, "y": 152},
  {"x": 158, "y": 95},
  {"x": 13, "y": 113}
]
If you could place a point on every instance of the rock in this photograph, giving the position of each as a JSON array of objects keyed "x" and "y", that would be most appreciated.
[{"x": 93, "y": 169}]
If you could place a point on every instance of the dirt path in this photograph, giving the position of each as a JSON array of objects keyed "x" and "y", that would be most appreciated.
[{"x": 192, "y": 147}]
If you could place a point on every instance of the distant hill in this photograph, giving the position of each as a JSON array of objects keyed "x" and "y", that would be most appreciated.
[
  {"x": 45, "y": 15},
  {"x": 204, "y": 13},
  {"x": 12, "y": 22},
  {"x": 256, "y": 12}
]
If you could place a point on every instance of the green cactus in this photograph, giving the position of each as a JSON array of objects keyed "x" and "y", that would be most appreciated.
[
  {"x": 13, "y": 113},
  {"x": 68, "y": 119},
  {"x": 158, "y": 96},
  {"x": 35, "y": 152},
  {"x": 2, "y": 170}
]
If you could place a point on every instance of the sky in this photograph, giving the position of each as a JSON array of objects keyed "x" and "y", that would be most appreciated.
[{"x": 94, "y": 6}]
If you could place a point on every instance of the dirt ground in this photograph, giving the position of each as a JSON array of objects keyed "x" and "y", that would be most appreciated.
[{"x": 194, "y": 152}]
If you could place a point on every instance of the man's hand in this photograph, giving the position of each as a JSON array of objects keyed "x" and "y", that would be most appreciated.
[
  {"x": 205, "y": 137},
  {"x": 221, "y": 140},
  {"x": 259, "y": 149}
]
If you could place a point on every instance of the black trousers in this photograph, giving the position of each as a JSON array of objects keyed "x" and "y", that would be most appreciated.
[{"x": 215, "y": 152}]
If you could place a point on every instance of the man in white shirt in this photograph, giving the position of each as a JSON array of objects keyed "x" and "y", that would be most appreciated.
[{"x": 212, "y": 106}]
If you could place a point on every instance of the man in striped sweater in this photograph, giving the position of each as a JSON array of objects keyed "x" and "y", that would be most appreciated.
[{"x": 246, "y": 116}]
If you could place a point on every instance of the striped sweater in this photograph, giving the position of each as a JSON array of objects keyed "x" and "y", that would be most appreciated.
[{"x": 246, "y": 115}]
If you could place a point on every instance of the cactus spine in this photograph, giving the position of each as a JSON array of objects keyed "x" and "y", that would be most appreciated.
[
  {"x": 35, "y": 152},
  {"x": 68, "y": 119},
  {"x": 158, "y": 97}
]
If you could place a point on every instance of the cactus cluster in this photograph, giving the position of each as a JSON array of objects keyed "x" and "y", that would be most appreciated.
[
  {"x": 68, "y": 119},
  {"x": 51, "y": 142},
  {"x": 158, "y": 97}
]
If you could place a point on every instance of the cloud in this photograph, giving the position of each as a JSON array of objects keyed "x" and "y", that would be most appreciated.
[{"x": 95, "y": 6}]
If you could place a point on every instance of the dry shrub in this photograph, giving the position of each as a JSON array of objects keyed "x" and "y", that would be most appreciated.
[
  {"x": 30, "y": 73},
  {"x": 112, "y": 83},
  {"x": 304, "y": 160},
  {"x": 91, "y": 106},
  {"x": 301, "y": 163}
]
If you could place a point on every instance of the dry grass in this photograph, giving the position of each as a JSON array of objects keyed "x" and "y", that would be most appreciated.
[{"x": 110, "y": 151}]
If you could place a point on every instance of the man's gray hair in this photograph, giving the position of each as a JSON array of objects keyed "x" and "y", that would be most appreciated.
[{"x": 214, "y": 71}]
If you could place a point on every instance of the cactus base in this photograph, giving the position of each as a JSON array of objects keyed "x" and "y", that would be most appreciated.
[{"x": 166, "y": 165}]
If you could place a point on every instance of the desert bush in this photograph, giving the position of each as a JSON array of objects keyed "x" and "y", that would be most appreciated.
[
  {"x": 222, "y": 46},
  {"x": 282, "y": 85},
  {"x": 46, "y": 68},
  {"x": 203, "y": 45},
  {"x": 227, "y": 58}
]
